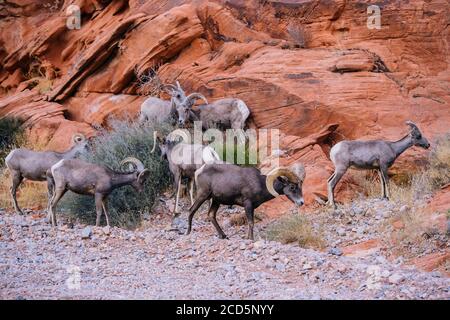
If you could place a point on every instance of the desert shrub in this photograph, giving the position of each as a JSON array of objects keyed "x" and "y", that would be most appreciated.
[
  {"x": 125, "y": 138},
  {"x": 295, "y": 228},
  {"x": 11, "y": 133},
  {"x": 300, "y": 35},
  {"x": 439, "y": 168},
  {"x": 416, "y": 236},
  {"x": 148, "y": 83}
]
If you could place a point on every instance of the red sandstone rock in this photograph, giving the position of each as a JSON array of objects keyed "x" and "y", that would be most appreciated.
[
  {"x": 362, "y": 249},
  {"x": 368, "y": 82},
  {"x": 435, "y": 261}
]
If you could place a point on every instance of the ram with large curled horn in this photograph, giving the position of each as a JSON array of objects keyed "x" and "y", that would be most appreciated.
[
  {"x": 247, "y": 187},
  {"x": 34, "y": 165},
  {"x": 92, "y": 179}
]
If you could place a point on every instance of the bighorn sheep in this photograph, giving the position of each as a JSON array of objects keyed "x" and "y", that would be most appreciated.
[
  {"x": 373, "y": 154},
  {"x": 33, "y": 165},
  {"x": 229, "y": 184},
  {"x": 228, "y": 113},
  {"x": 91, "y": 179},
  {"x": 184, "y": 159},
  {"x": 162, "y": 110}
]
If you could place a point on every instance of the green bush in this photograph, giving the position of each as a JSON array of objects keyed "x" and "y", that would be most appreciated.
[
  {"x": 11, "y": 132},
  {"x": 125, "y": 138}
]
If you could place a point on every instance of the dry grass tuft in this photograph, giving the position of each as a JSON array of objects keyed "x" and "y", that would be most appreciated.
[
  {"x": 296, "y": 229},
  {"x": 416, "y": 236},
  {"x": 240, "y": 219},
  {"x": 148, "y": 83},
  {"x": 439, "y": 170},
  {"x": 31, "y": 194}
]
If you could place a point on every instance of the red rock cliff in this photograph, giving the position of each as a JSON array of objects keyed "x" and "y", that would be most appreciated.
[{"x": 313, "y": 69}]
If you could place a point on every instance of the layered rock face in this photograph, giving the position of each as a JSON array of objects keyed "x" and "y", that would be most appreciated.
[{"x": 313, "y": 69}]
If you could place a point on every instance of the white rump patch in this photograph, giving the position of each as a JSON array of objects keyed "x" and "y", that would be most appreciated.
[
  {"x": 243, "y": 109},
  {"x": 209, "y": 155},
  {"x": 8, "y": 158},
  {"x": 56, "y": 166},
  {"x": 197, "y": 172},
  {"x": 335, "y": 150}
]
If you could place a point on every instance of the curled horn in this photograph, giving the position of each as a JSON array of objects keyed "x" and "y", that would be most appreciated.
[
  {"x": 169, "y": 86},
  {"x": 196, "y": 96},
  {"x": 180, "y": 133},
  {"x": 155, "y": 137},
  {"x": 295, "y": 174},
  {"x": 139, "y": 166},
  {"x": 412, "y": 125},
  {"x": 78, "y": 137}
]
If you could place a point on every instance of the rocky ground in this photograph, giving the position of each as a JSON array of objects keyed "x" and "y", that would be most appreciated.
[{"x": 159, "y": 262}]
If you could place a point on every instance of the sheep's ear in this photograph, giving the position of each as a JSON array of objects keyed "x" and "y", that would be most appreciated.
[{"x": 143, "y": 176}]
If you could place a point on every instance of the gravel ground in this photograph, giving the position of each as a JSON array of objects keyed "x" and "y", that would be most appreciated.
[{"x": 158, "y": 262}]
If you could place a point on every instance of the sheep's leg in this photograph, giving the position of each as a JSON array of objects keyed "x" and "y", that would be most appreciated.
[
  {"x": 194, "y": 209},
  {"x": 330, "y": 192},
  {"x": 50, "y": 192},
  {"x": 212, "y": 216},
  {"x": 385, "y": 181},
  {"x": 17, "y": 179},
  {"x": 383, "y": 190},
  {"x": 105, "y": 206},
  {"x": 332, "y": 182},
  {"x": 191, "y": 190},
  {"x": 249, "y": 212},
  {"x": 177, "y": 198},
  {"x": 59, "y": 192},
  {"x": 98, "y": 208}
]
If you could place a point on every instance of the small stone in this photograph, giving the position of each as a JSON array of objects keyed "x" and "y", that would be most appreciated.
[
  {"x": 86, "y": 233},
  {"x": 280, "y": 266},
  {"x": 258, "y": 244},
  {"x": 403, "y": 209},
  {"x": 335, "y": 252},
  {"x": 106, "y": 230},
  {"x": 395, "y": 278},
  {"x": 341, "y": 232},
  {"x": 385, "y": 274},
  {"x": 307, "y": 266}
]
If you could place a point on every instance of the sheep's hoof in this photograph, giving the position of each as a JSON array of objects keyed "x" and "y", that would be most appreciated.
[
  {"x": 331, "y": 205},
  {"x": 223, "y": 236}
]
